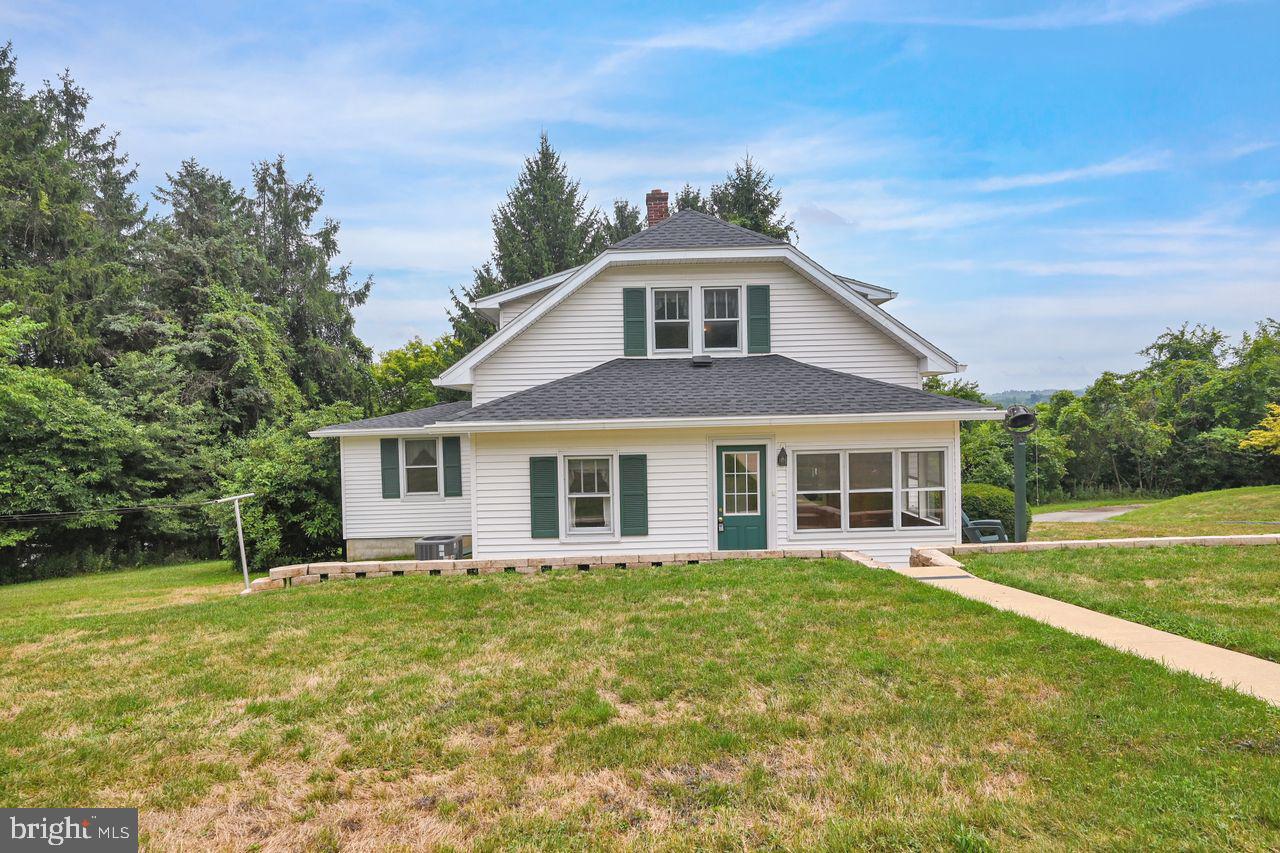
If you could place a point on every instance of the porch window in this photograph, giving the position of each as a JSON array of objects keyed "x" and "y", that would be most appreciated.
[
  {"x": 589, "y": 493},
  {"x": 870, "y": 490},
  {"x": 670, "y": 320},
  {"x": 818, "y": 491},
  {"x": 923, "y": 489},
  {"x": 721, "y": 318},
  {"x": 421, "y": 466}
]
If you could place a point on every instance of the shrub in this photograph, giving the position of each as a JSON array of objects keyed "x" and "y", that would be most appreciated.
[
  {"x": 984, "y": 501},
  {"x": 295, "y": 514}
]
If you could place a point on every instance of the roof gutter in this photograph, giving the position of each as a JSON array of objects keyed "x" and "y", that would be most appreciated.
[{"x": 463, "y": 426}]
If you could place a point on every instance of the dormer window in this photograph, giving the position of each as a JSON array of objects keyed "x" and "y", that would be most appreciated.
[
  {"x": 721, "y": 318},
  {"x": 671, "y": 320}
]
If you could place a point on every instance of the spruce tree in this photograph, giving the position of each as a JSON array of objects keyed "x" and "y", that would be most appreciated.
[
  {"x": 746, "y": 198},
  {"x": 542, "y": 228}
]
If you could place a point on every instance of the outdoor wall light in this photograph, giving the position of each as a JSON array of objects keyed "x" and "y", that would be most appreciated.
[{"x": 782, "y": 457}]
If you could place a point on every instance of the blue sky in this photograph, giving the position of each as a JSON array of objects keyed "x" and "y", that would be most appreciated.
[{"x": 1047, "y": 186}]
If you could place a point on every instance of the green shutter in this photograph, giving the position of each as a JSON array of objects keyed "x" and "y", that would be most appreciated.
[
  {"x": 633, "y": 471},
  {"x": 390, "y": 467},
  {"x": 452, "y": 466},
  {"x": 758, "y": 318},
  {"x": 634, "y": 337},
  {"x": 544, "y": 498}
]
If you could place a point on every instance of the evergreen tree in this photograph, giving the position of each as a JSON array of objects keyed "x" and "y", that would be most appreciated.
[
  {"x": 690, "y": 198},
  {"x": 746, "y": 198},
  {"x": 542, "y": 228},
  {"x": 625, "y": 222}
]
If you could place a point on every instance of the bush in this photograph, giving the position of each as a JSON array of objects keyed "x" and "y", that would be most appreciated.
[
  {"x": 295, "y": 515},
  {"x": 984, "y": 501}
]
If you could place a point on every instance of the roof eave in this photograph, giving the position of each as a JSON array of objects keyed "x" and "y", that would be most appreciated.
[{"x": 723, "y": 421}]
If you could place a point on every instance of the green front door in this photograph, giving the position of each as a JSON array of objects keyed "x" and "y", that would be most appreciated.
[{"x": 740, "y": 504}]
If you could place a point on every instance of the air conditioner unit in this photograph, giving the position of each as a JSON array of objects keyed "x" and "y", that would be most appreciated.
[{"x": 442, "y": 547}]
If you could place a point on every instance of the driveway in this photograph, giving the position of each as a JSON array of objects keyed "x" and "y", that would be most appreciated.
[{"x": 1095, "y": 513}]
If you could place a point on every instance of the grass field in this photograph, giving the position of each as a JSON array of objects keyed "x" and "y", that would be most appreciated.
[
  {"x": 1254, "y": 509},
  {"x": 814, "y": 705},
  {"x": 1229, "y": 597}
]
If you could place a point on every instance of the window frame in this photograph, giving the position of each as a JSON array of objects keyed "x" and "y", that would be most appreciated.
[
  {"x": 837, "y": 491},
  {"x": 703, "y": 319},
  {"x": 904, "y": 489},
  {"x": 654, "y": 290},
  {"x": 611, "y": 503},
  {"x": 405, "y": 466},
  {"x": 898, "y": 491}
]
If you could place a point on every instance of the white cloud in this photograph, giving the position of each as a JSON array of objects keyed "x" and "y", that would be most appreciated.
[{"x": 1126, "y": 165}]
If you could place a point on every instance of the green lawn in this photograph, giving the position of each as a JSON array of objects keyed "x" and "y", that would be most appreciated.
[
  {"x": 1089, "y": 503},
  {"x": 766, "y": 704},
  {"x": 1255, "y": 509},
  {"x": 1229, "y": 597}
]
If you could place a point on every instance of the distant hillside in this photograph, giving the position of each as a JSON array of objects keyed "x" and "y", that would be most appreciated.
[{"x": 1027, "y": 398}]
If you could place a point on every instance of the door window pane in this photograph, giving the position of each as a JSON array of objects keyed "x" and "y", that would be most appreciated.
[
  {"x": 922, "y": 469},
  {"x": 921, "y": 508},
  {"x": 741, "y": 483}
]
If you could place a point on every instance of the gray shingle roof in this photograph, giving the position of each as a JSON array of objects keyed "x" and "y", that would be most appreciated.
[
  {"x": 404, "y": 420},
  {"x": 689, "y": 229},
  {"x": 761, "y": 385}
]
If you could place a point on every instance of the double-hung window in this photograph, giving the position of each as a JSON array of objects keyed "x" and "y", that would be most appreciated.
[
  {"x": 671, "y": 320},
  {"x": 923, "y": 489},
  {"x": 818, "y": 491},
  {"x": 421, "y": 466},
  {"x": 589, "y": 494},
  {"x": 721, "y": 318},
  {"x": 870, "y": 490},
  {"x": 855, "y": 490}
]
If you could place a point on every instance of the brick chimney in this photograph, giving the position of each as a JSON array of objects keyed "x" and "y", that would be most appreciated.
[{"x": 656, "y": 202}]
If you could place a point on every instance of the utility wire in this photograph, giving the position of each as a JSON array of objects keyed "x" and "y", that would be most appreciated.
[{"x": 54, "y": 516}]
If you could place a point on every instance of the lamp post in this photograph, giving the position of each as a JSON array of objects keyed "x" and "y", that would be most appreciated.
[{"x": 1020, "y": 422}]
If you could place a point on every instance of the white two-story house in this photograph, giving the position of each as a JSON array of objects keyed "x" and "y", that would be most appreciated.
[{"x": 695, "y": 387}]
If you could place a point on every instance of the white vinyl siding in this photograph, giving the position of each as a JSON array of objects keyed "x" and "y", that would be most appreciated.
[
  {"x": 513, "y": 309},
  {"x": 586, "y": 329},
  {"x": 681, "y": 480},
  {"x": 367, "y": 515}
]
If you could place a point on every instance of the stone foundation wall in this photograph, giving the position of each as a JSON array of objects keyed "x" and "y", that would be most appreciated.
[{"x": 377, "y": 549}]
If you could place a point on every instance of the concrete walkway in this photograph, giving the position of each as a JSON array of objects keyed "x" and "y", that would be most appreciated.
[
  {"x": 1096, "y": 513},
  {"x": 1241, "y": 672}
]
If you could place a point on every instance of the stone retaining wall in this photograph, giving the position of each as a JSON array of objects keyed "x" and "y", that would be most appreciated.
[{"x": 309, "y": 573}]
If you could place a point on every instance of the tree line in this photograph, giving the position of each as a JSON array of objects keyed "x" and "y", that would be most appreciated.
[{"x": 1200, "y": 414}]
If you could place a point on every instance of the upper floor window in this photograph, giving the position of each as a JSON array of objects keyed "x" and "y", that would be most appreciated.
[
  {"x": 670, "y": 320},
  {"x": 421, "y": 466},
  {"x": 721, "y": 318}
]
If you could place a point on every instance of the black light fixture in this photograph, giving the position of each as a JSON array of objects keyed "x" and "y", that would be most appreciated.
[
  {"x": 1020, "y": 421},
  {"x": 782, "y": 457}
]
